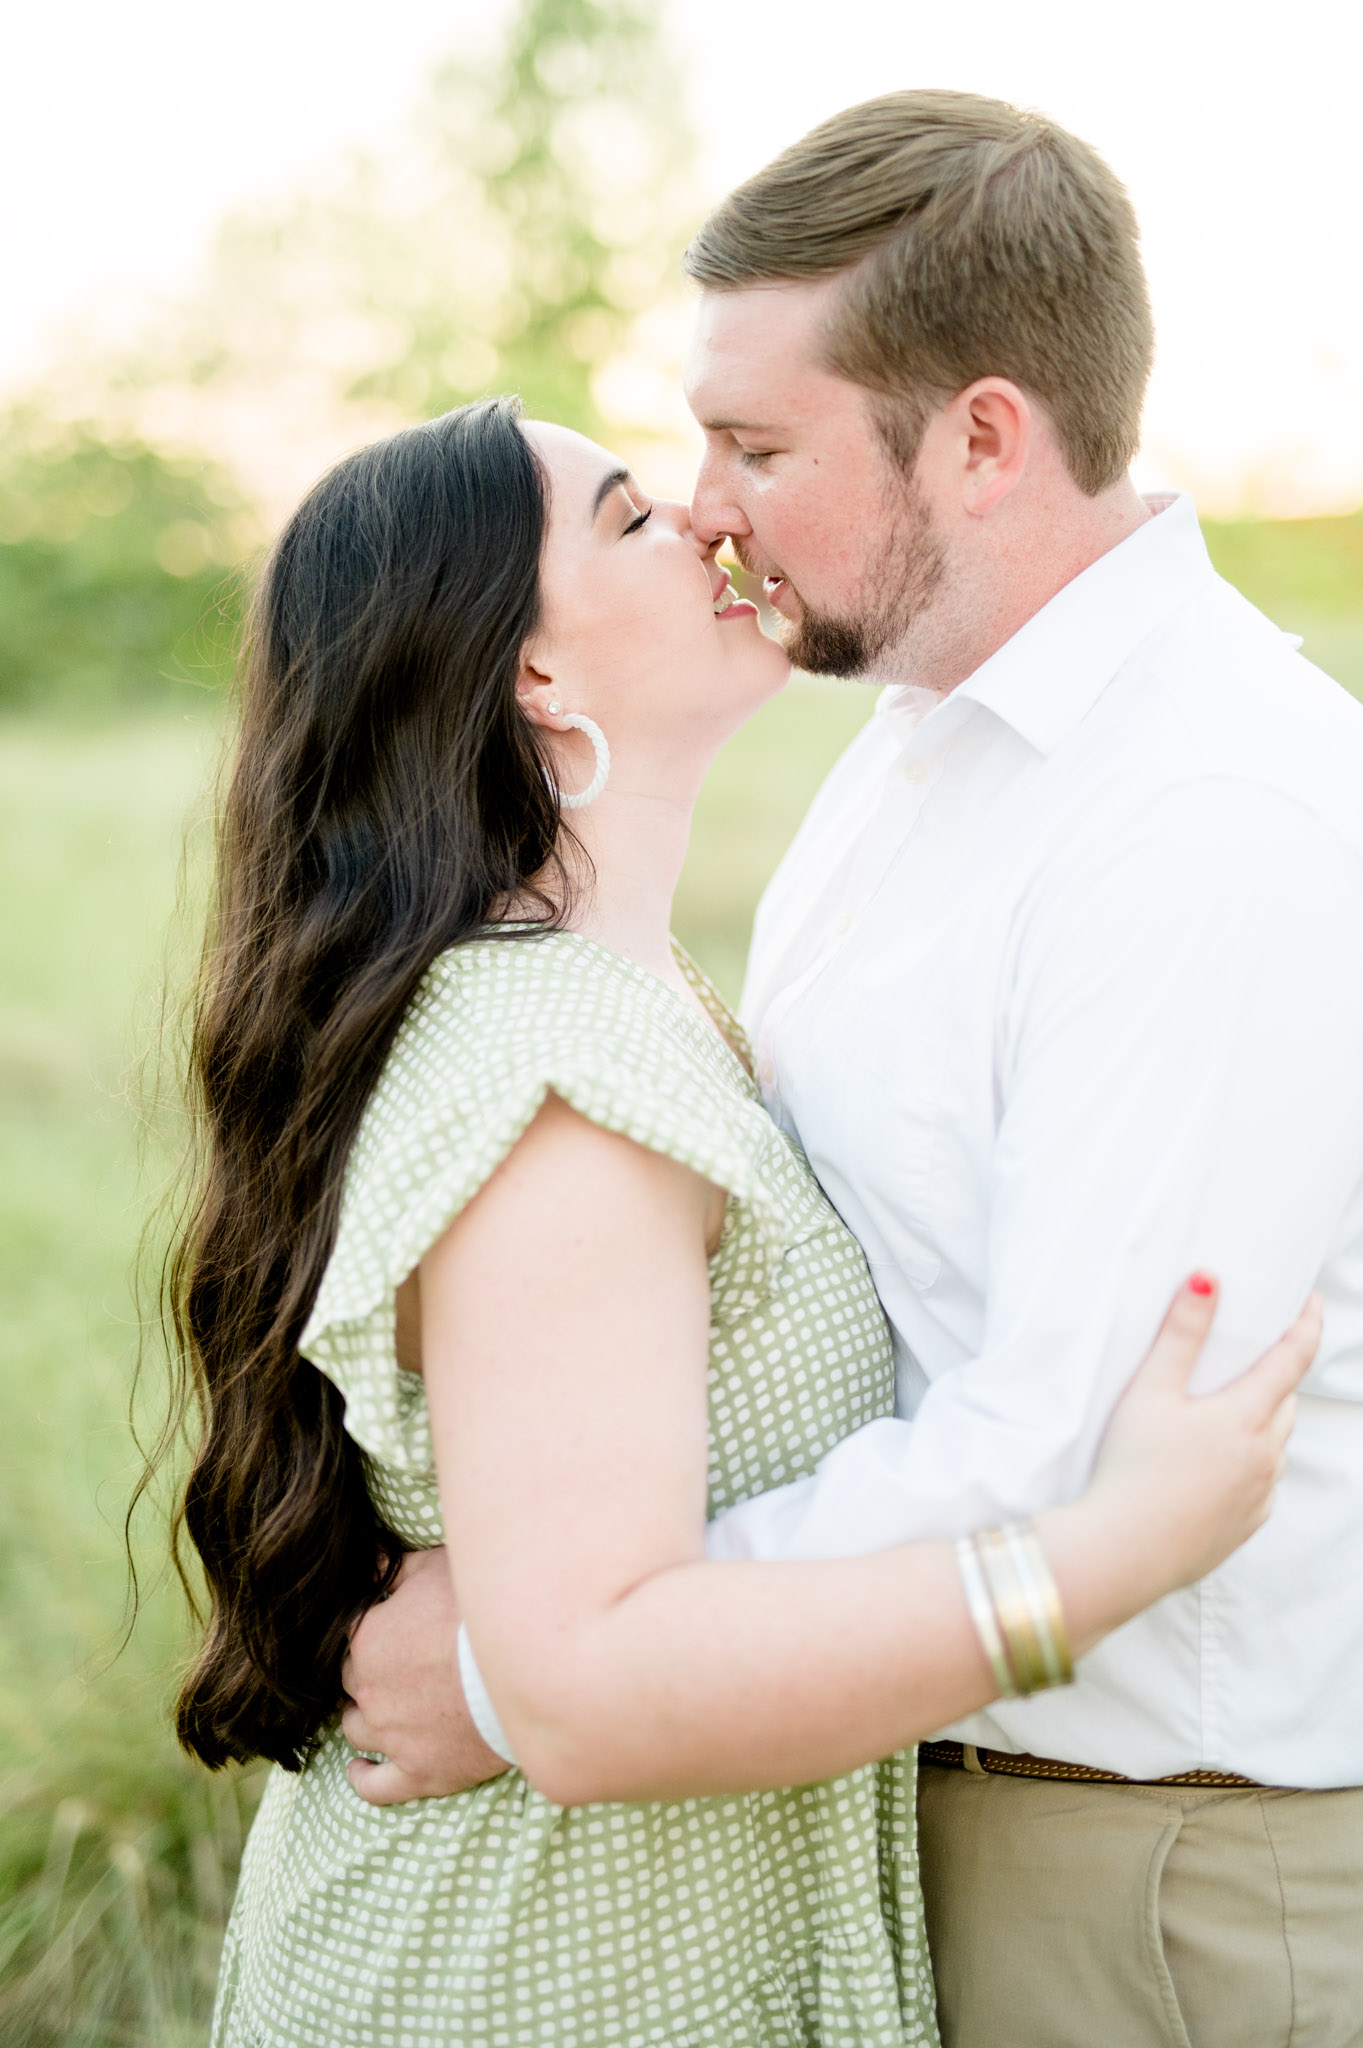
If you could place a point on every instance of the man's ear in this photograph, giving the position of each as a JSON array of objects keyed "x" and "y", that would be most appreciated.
[{"x": 993, "y": 423}]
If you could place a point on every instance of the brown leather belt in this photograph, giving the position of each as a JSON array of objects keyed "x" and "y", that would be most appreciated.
[{"x": 964, "y": 1756}]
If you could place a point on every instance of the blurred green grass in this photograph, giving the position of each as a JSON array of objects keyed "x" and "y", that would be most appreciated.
[{"x": 116, "y": 1856}]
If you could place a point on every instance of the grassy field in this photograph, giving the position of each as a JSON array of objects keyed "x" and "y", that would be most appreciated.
[{"x": 116, "y": 1857}]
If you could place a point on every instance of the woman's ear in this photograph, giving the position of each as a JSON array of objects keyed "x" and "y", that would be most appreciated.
[{"x": 537, "y": 695}]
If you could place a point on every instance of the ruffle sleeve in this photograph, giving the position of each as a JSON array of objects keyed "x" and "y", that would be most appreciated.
[{"x": 496, "y": 1027}]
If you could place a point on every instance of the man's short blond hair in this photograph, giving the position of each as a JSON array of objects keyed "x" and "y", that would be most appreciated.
[{"x": 978, "y": 240}]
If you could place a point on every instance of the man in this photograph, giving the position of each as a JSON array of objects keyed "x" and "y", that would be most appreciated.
[{"x": 1061, "y": 988}]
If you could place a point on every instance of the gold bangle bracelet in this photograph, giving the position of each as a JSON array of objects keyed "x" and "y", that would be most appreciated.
[
  {"x": 982, "y": 1614},
  {"x": 1044, "y": 1602},
  {"x": 1016, "y": 1621}
]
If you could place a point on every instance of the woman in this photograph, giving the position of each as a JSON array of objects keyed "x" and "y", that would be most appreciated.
[{"x": 488, "y": 1195}]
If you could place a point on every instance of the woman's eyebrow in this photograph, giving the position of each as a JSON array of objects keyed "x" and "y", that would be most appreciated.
[{"x": 608, "y": 483}]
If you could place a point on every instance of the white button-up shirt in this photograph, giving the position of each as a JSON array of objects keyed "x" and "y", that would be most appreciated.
[{"x": 1061, "y": 989}]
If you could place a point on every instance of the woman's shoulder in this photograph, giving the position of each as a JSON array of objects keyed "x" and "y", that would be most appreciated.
[
  {"x": 500, "y": 1022},
  {"x": 497, "y": 1005},
  {"x": 566, "y": 973},
  {"x": 497, "y": 1026}
]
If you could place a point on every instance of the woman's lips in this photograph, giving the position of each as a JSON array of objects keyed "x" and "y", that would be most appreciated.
[{"x": 727, "y": 602}]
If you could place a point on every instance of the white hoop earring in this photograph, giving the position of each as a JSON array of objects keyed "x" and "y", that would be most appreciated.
[{"x": 583, "y": 797}]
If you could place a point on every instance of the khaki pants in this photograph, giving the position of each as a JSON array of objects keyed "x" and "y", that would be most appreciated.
[{"x": 1131, "y": 1916}]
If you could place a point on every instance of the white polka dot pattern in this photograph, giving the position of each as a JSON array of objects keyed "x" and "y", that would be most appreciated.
[{"x": 494, "y": 1917}]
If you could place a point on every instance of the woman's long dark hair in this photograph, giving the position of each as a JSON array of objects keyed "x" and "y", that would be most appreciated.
[{"x": 386, "y": 799}]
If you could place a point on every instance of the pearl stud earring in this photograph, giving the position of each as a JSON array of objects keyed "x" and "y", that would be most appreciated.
[{"x": 554, "y": 710}]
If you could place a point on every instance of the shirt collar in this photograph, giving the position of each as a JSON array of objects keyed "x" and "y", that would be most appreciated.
[{"x": 1044, "y": 680}]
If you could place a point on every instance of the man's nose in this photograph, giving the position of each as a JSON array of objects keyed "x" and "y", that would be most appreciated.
[
  {"x": 678, "y": 516},
  {"x": 714, "y": 515}
]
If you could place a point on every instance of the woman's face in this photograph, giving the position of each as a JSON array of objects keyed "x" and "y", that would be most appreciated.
[{"x": 630, "y": 634}]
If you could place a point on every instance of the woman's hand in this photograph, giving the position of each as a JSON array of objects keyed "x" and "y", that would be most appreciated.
[{"x": 1182, "y": 1479}]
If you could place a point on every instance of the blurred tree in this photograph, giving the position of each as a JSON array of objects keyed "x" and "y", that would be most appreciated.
[
  {"x": 585, "y": 162},
  {"x": 114, "y": 564},
  {"x": 509, "y": 239}
]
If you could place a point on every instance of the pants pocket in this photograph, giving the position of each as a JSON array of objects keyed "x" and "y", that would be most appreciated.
[{"x": 1159, "y": 1961}]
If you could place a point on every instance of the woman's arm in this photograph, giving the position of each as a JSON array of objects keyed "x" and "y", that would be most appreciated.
[{"x": 565, "y": 1327}]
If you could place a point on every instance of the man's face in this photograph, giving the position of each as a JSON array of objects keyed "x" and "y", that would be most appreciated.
[{"x": 797, "y": 474}]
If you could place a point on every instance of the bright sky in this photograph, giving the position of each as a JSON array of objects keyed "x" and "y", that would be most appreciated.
[{"x": 126, "y": 133}]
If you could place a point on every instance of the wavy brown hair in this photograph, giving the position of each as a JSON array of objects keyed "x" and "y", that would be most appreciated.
[{"x": 386, "y": 799}]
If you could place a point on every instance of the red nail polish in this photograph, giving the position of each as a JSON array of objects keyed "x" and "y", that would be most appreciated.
[{"x": 1200, "y": 1284}]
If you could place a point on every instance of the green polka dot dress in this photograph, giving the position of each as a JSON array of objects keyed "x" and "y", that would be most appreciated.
[{"x": 493, "y": 1917}]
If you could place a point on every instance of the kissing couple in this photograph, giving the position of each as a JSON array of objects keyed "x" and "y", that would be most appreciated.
[{"x": 629, "y": 1432}]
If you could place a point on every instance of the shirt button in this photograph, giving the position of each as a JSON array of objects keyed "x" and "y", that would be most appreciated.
[
  {"x": 844, "y": 924},
  {"x": 916, "y": 771}
]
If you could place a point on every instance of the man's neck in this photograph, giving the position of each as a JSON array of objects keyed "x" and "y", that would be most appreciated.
[{"x": 994, "y": 597}]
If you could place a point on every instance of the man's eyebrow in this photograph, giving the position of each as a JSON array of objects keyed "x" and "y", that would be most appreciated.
[
  {"x": 608, "y": 483},
  {"x": 737, "y": 427}
]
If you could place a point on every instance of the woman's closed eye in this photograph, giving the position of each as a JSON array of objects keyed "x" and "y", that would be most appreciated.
[{"x": 636, "y": 523}]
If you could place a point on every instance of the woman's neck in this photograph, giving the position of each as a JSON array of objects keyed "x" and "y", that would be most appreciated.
[{"x": 635, "y": 845}]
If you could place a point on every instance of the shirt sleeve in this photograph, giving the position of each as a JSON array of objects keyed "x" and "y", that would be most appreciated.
[
  {"x": 1179, "y": 1085},
  {"x": 478, "y": 1700}
]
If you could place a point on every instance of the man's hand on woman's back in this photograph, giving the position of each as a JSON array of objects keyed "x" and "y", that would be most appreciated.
[{"x": 404, "y": 1696}]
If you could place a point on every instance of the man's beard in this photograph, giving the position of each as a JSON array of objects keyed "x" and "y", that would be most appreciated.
[{"x": 907, "y": 571}]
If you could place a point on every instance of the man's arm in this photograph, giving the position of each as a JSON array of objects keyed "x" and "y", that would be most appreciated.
[{"x": 1180, "y": 1075}]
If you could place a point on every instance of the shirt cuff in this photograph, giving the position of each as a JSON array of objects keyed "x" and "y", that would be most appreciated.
[{"x": 478, "y": 1701}]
